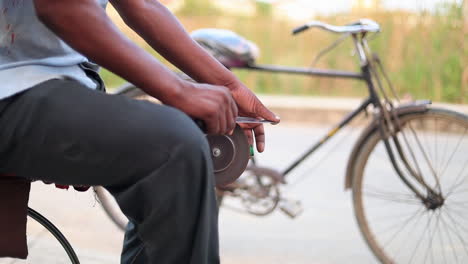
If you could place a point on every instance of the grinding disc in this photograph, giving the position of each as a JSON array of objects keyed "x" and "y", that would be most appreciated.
[{"x": 230, "y": 154}]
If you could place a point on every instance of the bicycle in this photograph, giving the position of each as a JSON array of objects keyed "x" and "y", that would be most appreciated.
[{"x": 422, "y": 181}]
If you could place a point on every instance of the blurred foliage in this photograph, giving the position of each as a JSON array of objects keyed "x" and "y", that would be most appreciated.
[
  {"x": 425, "y": 54},
  {"x": 198, "y": 8},
  {"x": 263, "y": 9}
]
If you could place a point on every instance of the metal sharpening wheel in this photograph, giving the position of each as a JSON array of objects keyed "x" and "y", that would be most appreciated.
[{"x": 230, "y": 154}]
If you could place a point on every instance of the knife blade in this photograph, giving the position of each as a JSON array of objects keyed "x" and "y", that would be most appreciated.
[{"x": 251, "y": 120}]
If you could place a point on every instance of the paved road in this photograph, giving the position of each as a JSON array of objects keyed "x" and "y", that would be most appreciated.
[{"x": 326, "y": 233}]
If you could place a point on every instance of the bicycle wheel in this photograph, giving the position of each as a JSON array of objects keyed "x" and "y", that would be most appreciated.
[
  {"x": 46, "y": 244},
  {"x": 398, "y": 226}
]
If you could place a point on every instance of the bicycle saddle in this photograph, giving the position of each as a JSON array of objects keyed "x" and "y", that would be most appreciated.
[{"x": 227, "y": 47}]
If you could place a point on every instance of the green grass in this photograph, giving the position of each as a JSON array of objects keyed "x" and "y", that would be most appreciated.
[{"x": 424, "y": 53}]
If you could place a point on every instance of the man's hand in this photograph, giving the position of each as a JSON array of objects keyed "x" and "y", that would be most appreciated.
[
  {"x": 211, "y": 103},
  {"x": 250, "y": 106}
]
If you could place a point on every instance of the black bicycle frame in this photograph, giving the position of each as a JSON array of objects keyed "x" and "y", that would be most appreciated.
[
  {"x": 364, "y": 75},
  {"x": 373, "y": 99},
  {"x": 306, "y": 71}
]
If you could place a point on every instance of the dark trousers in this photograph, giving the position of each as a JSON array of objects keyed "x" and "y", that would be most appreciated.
[{"x": 152, "y": 158}]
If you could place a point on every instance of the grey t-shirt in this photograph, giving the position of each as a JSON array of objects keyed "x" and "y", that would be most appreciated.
[{"x": 30, "y": 53}]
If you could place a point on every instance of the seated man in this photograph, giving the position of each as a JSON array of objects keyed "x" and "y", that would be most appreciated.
[{"x": 56, "y": 126}]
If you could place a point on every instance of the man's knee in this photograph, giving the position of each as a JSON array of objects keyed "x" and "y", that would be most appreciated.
[{"x": 180, "y": 137}]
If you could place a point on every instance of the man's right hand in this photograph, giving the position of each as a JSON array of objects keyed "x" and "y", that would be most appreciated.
[{"x": 211, "y": 103}]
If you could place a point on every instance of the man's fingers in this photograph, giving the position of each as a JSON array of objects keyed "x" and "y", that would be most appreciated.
[
  {"x": 234, "y": 109},
  {"x": 228, "y": 109},
  {"x": 248, "y": 133},
  {"x": 260, "y": 137},
  {"x": 232, "y": 114},
  {"x": 222, "y": 119},
  {"x": 213, "y": 127},
  {"x": 264, "y": 113}
]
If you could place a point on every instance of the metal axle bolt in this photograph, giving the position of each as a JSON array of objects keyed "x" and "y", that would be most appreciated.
[{"x": 216, "y": 152}]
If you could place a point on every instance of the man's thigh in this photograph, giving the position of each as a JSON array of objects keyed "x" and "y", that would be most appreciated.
[{"x": 63, "y": 132}]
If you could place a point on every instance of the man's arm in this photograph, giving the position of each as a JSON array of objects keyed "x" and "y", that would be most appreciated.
[
  {"x": 156, "y": 24},
  {"x": 85, "y": 26},
  {"x": 152, "y": 21}
]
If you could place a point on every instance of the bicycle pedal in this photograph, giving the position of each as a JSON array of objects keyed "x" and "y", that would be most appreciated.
[{"x": 291, "y": 208}]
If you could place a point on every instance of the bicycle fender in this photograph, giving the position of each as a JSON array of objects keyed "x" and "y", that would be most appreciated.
[{"x": 413, "y": 107}]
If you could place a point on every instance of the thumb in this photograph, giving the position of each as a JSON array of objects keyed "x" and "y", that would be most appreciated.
[{"x": 265, "y": 113}]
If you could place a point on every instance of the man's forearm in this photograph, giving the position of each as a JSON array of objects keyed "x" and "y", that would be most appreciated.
[
  {"x": 85, "y": 27},
  {"x": 152, "y": 21}
]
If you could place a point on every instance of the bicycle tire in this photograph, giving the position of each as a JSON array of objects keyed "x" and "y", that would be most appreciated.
[
  {"x": 373, "y": 185},
  {"x": 56, "y": 233}
]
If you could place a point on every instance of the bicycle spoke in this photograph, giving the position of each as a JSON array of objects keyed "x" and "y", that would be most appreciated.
[
  {"x": 457, "y": 232},
  {"x": 408, "y": 235},
  {"x": 455, "y": 211},
  {"x": 391, "y": 198},
  {"x": 454, "y": 191},
  {"x": 421, "y": 148},
  {"x": 464, "y": 190},
  {"x": 457, "y": 224},
  {"x": 431, "y": 235},
  {"x": 418, "y": 175},
  {"x": 408, "y": 219},
  {"x": 402, "y": 195},
  {"x": 420, "y": 239},
  {"x": 419, "y": 214},
  {"x": 456, "y": 186},
  {"x": 461, "y": 210},
  {"x": 457, "y": 182},
  {"x": 426, "y": 136},
  {"x": 394, "y": 216},
  {"x": 459, "y": 203},
  {"x": 449, "y": 238},
  {"x": 442, "y": 244},
  {"x": 453, "y": 153},
  {"x": 443, "y": 158}
]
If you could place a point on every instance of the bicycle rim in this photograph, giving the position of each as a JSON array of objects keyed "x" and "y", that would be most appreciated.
[{"x": 398, "y": 226}]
